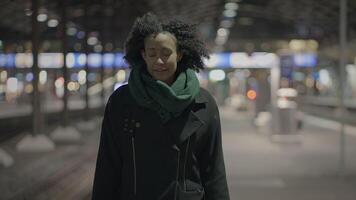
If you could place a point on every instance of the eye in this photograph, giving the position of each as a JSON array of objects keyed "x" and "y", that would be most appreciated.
[
  {"x": 151, "y": 55},
  {"x": 166, "y": 53},
  {"x": 150, "y": 52}
]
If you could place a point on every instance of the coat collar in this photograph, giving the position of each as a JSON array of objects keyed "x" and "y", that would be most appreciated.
[
  {"x": 201, "y": 98},
  {"x": 129, "y": 100},
  {"x": 183, "y": 127},
  {"x": 188, "y": 124}
]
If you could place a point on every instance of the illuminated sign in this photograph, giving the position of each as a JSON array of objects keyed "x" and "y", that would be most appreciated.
[
  {"x": 305, "y": 60},
  {"x": 50, "y": 60},
  {"x": 119, "y": 61},
  {"x": 251, "y": 94},
  {"x": 7, "y": 60},
  {"x": 298, "y": 60},
  {"x": 76, "y": 60},
  {"x": 23, "y": 60},
  {"x": 109, "y": 60},
  {"x": 94, "y": 60},
  {"x": 241, "y": 60}
]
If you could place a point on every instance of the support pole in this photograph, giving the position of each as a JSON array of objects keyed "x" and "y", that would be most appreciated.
[
  {"x": 113, "y": 38},
  {"x": 86, "y": 68},
  {"x": 275, "y": 79},
  {"x": 36, "y": 141},
  {"x": 65, "y": 133},
  {"x": 64, "y": 68},
  {"x": 342, "y": 62},
  {"x": 103, "y": 28},
  {"x": 36, "y": 102}
]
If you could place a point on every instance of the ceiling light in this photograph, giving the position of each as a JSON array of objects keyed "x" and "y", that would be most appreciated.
[
  {"x": 92, "y": 40},
  {"x": 223, "y": 32},
  {"x": 41, "y": 17},
  {"x": 28, "y": 12},
  {"x": 226, "y": 23},
  {"x": 71, "y": 31},
  {"x": 52, "y": 23},
  {"x": 220, "y": 40},
  {"x": 231, "y": 6},
  {"x": 229, "y": 13}
]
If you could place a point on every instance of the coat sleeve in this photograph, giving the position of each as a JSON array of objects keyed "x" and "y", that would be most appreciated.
[
  {"x": 212, "y": 167},
  {"x": 108, "y": 166}
]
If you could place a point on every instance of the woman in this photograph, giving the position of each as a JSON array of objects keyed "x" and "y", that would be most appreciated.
[{"x": 161, "y": 136}]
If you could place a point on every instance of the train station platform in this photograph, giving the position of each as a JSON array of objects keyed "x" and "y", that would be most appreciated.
[{"x": 257, "y": 167}]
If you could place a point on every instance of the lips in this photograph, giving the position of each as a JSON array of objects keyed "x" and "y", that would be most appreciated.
[{"x": 160, "y": 69}]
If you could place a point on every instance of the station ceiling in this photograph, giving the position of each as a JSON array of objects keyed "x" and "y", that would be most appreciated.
[{"x": 110, "y": 20}]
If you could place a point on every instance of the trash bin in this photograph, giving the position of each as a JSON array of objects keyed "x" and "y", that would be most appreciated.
[{"x": 287, "y": 111}]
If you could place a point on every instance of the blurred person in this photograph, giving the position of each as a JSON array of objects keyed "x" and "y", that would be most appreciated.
[{"x": 161, "y": 135}]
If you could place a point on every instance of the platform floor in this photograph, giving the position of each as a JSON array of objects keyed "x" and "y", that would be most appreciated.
[{"x": 257, "y": 167}]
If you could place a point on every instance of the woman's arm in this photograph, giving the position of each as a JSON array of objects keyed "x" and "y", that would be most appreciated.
[
  {"x": 108, "y": 167},
  {"x": 212, "y": 163}
]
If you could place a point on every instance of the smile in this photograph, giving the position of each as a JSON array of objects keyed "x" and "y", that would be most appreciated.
[{"x": 160, "y": 70}]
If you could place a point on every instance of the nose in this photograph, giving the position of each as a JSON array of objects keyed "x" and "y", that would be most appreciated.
[{"x": 160, "y": 61}]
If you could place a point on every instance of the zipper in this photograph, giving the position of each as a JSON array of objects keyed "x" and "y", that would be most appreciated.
[
  {"x": 134, "y": 162},
  {"x": 185, "y": 163},
  {"x": 177, "y": 174},
  {"x": 132, "y": 132}
]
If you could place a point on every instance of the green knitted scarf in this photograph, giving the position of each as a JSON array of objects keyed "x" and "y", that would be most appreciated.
[{"x": 167, "y": 101}]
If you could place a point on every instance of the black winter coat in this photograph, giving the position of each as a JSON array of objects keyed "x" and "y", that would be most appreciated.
[{"x": 142, "y": 159}]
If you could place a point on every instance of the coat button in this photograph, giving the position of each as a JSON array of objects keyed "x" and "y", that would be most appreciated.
[{"x": 138, "y": 125}]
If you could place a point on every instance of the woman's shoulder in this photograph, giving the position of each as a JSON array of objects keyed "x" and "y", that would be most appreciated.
[
  {"x": 121, "y": 94},
  {"x": 121, "y": 90},
  {"x": 205, "y": 96}
]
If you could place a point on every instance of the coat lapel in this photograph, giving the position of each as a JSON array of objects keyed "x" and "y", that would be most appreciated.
[
  {"x": 183, "y": 127},
  {"x": 187, "y": 124},
  {"x": 194, "y": 123}
]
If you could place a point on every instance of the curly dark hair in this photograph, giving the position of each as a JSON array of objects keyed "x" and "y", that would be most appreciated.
[{"x": 188, "y": 43}]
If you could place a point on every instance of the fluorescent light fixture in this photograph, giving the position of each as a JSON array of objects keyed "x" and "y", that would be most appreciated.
[
  {"x": 229, "y": 13},
  {"x": 41, "y": 17},
  {"x": 223, "y": 32},
  {"x": 52, "y": 23},
  {"x": 231, "y": 6},
  {"x": 217, "y": 75}
]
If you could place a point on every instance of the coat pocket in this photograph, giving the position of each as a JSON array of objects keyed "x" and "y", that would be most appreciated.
[{"x": 193, "y": 191}]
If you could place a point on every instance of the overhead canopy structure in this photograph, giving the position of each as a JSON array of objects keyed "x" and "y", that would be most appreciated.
[{"x": 110, "y": 20}]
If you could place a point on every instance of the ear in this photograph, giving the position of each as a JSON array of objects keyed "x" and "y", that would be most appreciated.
[
  {"x": 179, "y": 57},
  {"x": 143, "y": 54}
]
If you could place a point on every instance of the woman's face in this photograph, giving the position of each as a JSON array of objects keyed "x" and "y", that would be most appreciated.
[{"x": 161, "y": 56}]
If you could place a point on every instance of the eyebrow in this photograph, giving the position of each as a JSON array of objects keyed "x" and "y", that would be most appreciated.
[{"x": 164, "y": 48}]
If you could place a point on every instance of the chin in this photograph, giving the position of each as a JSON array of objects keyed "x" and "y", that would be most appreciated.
[
  {"x": 162, "y": 79},
  {"x": 165, "y": 80}
]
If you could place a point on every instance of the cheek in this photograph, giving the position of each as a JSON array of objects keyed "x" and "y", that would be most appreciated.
[
  {"x": 172, "y": 65},
  {"x": 172, "y": 61},
  {"x": 149, "y": 61}
]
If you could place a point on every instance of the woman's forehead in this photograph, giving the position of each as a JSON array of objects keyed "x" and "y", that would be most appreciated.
[{"x": 164, "y": 39}]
